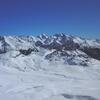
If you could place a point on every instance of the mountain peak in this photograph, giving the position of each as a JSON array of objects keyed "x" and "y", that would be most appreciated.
[{"x": 43, "y": 36}]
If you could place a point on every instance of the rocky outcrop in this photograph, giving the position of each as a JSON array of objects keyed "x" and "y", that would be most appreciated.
[
  {"x": 28, "y": 51},
  {"x": 3, "y": 45},
  {"x": 92, "y": 52}
]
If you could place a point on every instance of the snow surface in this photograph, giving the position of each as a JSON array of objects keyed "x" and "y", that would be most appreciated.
[
  {"x": 47, "y": 85},
  {"x": 86, "y": 42}
]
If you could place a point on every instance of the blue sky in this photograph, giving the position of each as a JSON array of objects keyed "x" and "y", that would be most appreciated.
[{"x": 33, "y": 17}]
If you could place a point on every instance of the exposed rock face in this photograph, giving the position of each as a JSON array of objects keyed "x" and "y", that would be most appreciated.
[
  {"x": 92, "y": 52},
  {"x": 57, "y": 42},
  {"x": 27, "y": 52},
  {"x": 3, "y": 45},
  {"x": 70, "y": 57}
]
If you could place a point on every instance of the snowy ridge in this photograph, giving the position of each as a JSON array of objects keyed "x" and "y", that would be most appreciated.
[{"x": 60, "y": 47}]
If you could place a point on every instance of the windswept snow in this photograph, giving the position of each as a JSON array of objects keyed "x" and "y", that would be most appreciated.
[{"x": 60, "y": 84}]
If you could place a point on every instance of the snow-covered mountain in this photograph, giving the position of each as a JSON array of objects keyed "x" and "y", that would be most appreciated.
[
  {"x": 56, "y": 48},
  {"x": 57, "y": 67}
]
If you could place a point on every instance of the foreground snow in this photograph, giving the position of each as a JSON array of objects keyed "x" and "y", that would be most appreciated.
[{"x": 65, "y": 83}]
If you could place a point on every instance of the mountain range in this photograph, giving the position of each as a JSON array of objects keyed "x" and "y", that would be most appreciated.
[
  {"x": 62, "y": 48},
  {"x": 49, "y": 67}
]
